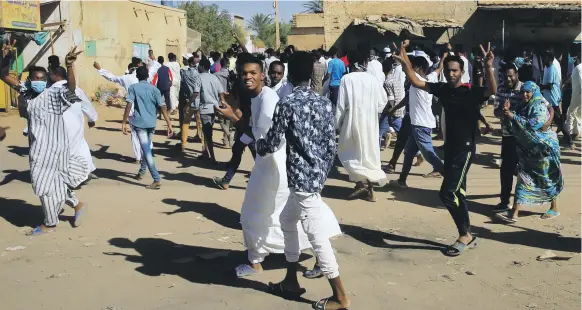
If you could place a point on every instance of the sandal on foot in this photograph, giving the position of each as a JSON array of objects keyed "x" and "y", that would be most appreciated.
[
  {"x": 389, "y": 168},
  {"x": 80, "y": 215},
  {"x": 314, "y": 273},
  {"x": 219, "y": 182},
  {"x": 139, "y": 176},
  {"x": 500, "y": 208},
  {"x": 278, "y": 290},
  {"x": 357, "y": 193},
  {"x": 433, "y": 174},
  {"x": 459, "y": 247},
  {"x": 155, "y": 186},
  {"x": 243, "y": 271},
  {"x": 322, "y": 303},
  {"x": 506, "y": 217},
  {"x": 550, "y": 214},
  {"x": 37, "y": 231}
]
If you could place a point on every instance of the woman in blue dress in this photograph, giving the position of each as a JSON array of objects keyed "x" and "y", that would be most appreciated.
[{"x": 539, "y": 179}]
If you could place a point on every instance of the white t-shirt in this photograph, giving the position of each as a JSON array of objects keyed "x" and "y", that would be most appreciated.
[
  {"x": 420, "y": 103},
  {"x": 262, "y": 109},
  {"x": 466, "y": 78}
]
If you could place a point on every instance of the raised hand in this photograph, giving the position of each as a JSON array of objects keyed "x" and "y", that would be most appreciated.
[
  {"x": 72, "y": 56},
  {"x": 96, "y": 65},
  {"x": 488, "y": 56},
  {"x": 7, "y": 48},
  {"x": 400, "y": 53},
  {"x": 506, "y": 105}
]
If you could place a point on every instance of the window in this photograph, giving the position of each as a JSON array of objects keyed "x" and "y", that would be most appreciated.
[
  {"x": 141, "y": 50},
  {"x": 91, "y": 48}
]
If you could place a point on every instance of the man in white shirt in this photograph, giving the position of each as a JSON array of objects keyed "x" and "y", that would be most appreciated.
[
  {"x": 423, "y": 121},
  {"x": 573, "y": 122},
  {"x": 375, "y": 67}
]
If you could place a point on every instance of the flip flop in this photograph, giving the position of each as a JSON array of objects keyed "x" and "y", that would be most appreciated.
[
  {"x": 433, "y": 174},
  {"x": 219, "y": 182},
  {"x": 314, "y": 273},
  {"x": 458, "y": 247},
  {"x": 243, "y": 271},
  {"x": 154, "y": 186},
  {"x": 357, "y": 193},
  {"x": 80, "y": 215},
  {"x": 37, "y": 231},
  {"x": 506, "y": 218},
  {"x": 322, "y": 303},
  {"x": 553, "y": 214},
  {"x": 278, "y": 290}
]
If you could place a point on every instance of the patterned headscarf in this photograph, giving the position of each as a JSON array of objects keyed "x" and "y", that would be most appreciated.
[{"x": 532, "y": 87}]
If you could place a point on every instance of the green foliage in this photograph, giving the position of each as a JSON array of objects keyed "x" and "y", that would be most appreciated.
[
  {"x": 214, "y": 25},
  {"x": 264, "y": 28},
  {"x": 314, "y": 6}
]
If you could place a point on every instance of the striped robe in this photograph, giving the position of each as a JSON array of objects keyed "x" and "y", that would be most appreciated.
[{"x": 52, "y": 163}]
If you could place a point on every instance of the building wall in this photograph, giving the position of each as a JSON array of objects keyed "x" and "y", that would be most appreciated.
[
  {"x": 113, "y": 27},
  {"x": 338, "y": 15},
  {"x": 308, "y": 20},
  {"x": 307, "y": 32},
  {"x": 306, "y": 42}
]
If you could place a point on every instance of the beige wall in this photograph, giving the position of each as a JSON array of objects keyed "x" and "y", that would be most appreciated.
[
  {"x": 306, "y": 42},
  {"x": 114, "y": 26},
  {"x": 308, "y": 20}
]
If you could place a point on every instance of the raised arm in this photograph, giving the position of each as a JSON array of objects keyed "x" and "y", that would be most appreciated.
[
  {"x": 106, "y": 74},
  {"x": 400, "y": 55},
  {"x": 488, "y": 57},
  {"x": 5, "y": 76},
  {"x": 239, "y": 41},
  {"x": 69, "y": 62}
]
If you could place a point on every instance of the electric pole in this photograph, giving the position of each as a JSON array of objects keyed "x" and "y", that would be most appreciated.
[{"x": 277, "y": 40}]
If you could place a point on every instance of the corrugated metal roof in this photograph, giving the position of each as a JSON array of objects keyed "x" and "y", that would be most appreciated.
[
  {"x": 564, "y": 5},
  {"x": 396, "y": 24}
]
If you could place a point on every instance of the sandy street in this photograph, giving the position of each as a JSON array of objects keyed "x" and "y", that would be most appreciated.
[{"x": 176, "y": 248}]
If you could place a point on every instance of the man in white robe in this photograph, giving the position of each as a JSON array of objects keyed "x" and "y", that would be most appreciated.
[
  {"x": 177, "y": 79},
  {"x": 361, "y": 99},
  {"x": 267, "y": 191}
]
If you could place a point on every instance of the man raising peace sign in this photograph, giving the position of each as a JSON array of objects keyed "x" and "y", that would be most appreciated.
[{"x": 461, "y": 104}]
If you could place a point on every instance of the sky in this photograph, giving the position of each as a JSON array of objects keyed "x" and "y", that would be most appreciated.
[{"x": 248, "y": 8}]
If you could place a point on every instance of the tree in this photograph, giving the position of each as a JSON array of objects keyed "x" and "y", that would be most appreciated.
[
  {"x": 214, "y": 25},
  {"x": 314, "y": 6},
  {"x": 260, "y": 24}
]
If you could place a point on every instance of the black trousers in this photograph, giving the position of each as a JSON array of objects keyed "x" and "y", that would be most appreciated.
[
  {"x": 238, "y": 149},
  {"x": 508, "y": 165},
  {"x": 453, "y": 189},
  {"x": 401, "y": 139},
  {"x": 166, "y": 95},
  {"x": 558, "y": 119}
]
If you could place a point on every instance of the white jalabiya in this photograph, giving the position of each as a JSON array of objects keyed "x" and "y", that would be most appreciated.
[
  {"x": 267, "y": 191},
  {"x": 375, "y": 69},
  {"x": 176, "y": 80},
  {"x": 360, "y": 101},
  {"x": 75, "y": 121}
]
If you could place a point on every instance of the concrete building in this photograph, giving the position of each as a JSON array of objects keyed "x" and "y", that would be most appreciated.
[
  {"x": 307, "y": 31},
  {"x": 348, "y": 23},
  {"x": 109, "y": 32}
]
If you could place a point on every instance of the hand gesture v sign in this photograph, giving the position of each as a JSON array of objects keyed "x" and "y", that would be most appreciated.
[
  {"x": 488, "y": 56},
  {"x": 72, "y": 56}
]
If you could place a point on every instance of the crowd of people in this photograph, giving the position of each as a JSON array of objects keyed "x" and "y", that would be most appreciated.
[{"x": 296, "y": 111}]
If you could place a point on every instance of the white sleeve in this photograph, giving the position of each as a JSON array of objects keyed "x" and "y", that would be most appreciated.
[
  {"x": 110, "y": 77},
  {"x": 342, "y": 104},
  {"x": 86, "y": 105}
]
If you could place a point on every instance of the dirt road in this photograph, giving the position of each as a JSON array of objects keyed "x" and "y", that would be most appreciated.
[{"x": 176, "y": 248}]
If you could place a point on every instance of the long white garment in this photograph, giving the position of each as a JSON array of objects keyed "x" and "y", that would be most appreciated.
[
  {"x": 574, "y": 114},
  {"x": 360, "y": 101},
  {"x": 267, "y": 191},
  {"x": 176, "y": 80},
  {"x": 153, "y": 69},
  {"x": 75, "y": 121},
  {"x": 375, "y": 69}
]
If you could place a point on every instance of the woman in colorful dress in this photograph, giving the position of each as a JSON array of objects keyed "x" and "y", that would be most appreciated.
[{"x": 540, "y": 177}]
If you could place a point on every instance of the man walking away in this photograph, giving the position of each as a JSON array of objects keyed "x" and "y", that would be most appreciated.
[
  {"x": 223, "y": 76},
  {"x": 211, "y": 96},
  {"x": 175, "y": 89},
  {"x": 163, "y": 80},
  {"x": 188, "y": 99},
  {"x": 147, "y": 100},
  {"x": 335, "y": 71},
  {"x": 550, "y": 87},
  {"x": 573, "y": 123},
  {"x": 318, "y": 73}
]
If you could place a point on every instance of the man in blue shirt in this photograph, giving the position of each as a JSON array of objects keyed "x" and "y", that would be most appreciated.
[
  {"x": 146, "y": 99},
  {"x": 551, "y": 87},
  {"x": 335, "y": 71}
]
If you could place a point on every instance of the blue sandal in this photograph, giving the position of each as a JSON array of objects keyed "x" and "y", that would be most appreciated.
[
  {"x": 550, "y": 214},
  {"x": 79, "y": 215},
  {"x": 458, "y": 247},
  {"x": 37, "y": 231}
]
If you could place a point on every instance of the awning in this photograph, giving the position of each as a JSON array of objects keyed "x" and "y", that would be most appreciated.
[
  {"x": 559, "y": 5},
  {"x": 396, "y": 24}
]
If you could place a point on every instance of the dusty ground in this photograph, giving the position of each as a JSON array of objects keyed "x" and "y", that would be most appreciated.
[{"x": 389, "y": 256}]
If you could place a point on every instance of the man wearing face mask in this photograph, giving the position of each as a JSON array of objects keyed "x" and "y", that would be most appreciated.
[{"x": 56, "y": 166}]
